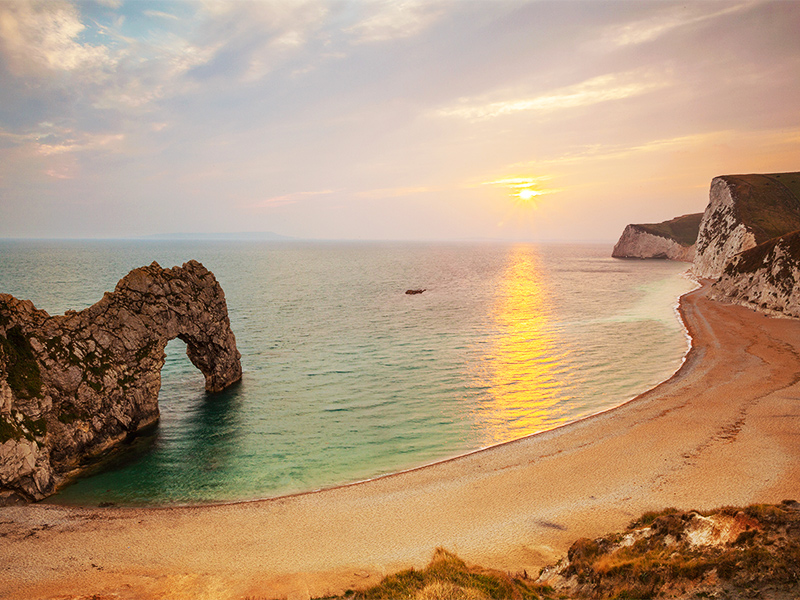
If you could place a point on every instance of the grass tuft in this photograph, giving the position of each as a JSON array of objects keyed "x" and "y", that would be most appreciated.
[{"x": 447, "y": 577}]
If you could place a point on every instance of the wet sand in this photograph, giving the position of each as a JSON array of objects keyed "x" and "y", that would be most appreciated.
[{"x": 724, "y": 430}]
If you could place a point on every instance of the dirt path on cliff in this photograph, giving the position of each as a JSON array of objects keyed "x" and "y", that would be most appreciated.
[{"x": 724, "y": 430}]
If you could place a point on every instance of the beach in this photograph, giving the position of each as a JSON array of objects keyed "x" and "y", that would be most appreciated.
[{"x": 724, "y": 430}]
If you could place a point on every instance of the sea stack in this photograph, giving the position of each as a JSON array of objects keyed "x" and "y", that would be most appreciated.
[{"x": 74, "y": 386}]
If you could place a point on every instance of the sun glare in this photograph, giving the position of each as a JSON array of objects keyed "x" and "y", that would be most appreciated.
[
  {"x": 523, "y": 189},
  {"x": 527, "y": 194}
]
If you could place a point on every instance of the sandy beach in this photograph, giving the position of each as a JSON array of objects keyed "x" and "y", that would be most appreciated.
[{"x": 724, "y": 430}]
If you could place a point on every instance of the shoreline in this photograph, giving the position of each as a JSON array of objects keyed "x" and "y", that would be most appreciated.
[
  {"x": 721, "y": 430},
  {"x": 676, "y": 307}
]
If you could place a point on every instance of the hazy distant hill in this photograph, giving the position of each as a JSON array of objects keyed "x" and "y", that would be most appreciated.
[{"x": 241, "y": 235}]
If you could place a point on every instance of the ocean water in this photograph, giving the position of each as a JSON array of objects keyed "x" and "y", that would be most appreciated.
[{"x": 346, "y": 377}]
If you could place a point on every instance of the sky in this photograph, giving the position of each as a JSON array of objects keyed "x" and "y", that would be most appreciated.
[{"x": 396, "y": 120}]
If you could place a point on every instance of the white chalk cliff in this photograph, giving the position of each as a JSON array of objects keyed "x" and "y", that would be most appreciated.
[
  {"x": 743, "y": 211},
  {"x": 672, "y": 239},
  {"x": 749, "y": 241},
  {"x": 764, "y": 278}
]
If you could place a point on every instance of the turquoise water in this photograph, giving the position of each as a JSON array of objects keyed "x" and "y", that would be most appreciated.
[{"x": 346, "y": 377}]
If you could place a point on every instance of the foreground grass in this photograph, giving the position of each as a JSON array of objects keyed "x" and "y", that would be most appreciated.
[{"x": 447, "y": 577}]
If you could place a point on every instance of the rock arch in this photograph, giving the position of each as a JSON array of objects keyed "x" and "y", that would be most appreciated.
[{"x": 73, "y": 386}]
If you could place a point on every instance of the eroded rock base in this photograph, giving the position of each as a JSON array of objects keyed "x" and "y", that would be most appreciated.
[{"x": 75, "y": 385}]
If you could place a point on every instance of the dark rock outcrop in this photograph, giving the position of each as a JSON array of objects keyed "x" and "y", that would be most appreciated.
[
  {"x": 672, "y": 239},
  {"x": 73, "y": 386},
  {"x": 730, "y": 553},
  {"x": 743, "y": 212},
  {"x": 764, "y": 278}
]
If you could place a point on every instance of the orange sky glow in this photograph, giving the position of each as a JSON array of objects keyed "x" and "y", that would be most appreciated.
[{"x": 415, "y": 120}]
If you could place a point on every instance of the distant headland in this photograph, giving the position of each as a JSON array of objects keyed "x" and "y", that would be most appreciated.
[{"x": 748, "y": 239}]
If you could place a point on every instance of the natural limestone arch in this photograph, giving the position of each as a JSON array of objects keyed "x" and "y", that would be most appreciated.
[{"x": 72, "y": 386}]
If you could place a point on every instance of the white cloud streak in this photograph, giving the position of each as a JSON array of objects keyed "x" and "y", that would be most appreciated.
[
  {"x": 285, "y": 199},
  {"x": 161, "y": 15},
  {"x": 616, "y": 86},
  {"x": 649, "y": 29},
  {"x": 393, "y": 19}
]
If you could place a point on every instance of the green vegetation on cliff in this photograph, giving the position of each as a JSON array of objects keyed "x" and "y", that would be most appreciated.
[
  {"x": 789, "y": 180},
  {"x": 768, "y": 204},
  {"x": 24, "y": 377},
  {"x": 682, "y": 229}
]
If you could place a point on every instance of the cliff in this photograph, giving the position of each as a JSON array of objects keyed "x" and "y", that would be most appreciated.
[
  {"x": 75, "y": 385},
  {"x": 672, "y": 239},
  {"x": 743, "y": 212},
  {"x": 764, "y": 277}
]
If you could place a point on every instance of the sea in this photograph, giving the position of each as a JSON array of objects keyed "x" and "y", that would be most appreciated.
[{"x": 347, "y": 377}]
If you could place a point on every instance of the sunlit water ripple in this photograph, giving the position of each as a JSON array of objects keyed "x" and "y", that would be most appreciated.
[{"x": 346, "y": 377}]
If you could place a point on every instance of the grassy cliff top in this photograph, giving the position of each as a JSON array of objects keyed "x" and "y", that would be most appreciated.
[
  {"x": 790, "y": 180},
  {"x": 682, "y": 229},
  {"x": 768, "y": 204}
]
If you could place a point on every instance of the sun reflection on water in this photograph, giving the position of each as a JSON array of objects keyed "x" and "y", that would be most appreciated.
[{"x": 522, "y": 367}]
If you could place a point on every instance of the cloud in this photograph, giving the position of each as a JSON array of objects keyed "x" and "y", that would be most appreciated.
[
  {"x": 615, "y": 86},
  {"x": 395, "y": 192},
  {"x": 50, "y": 140},
  {"x": 393, "y": 19},
  {"x": 79, "y": 143},
  {"x": 37, "y": 38},
  {"x": 252, "y": 39},
  {"x": 288, "y": 199},
  {"x": 60, "y": 173},
  {"x": 55, "y": 74},
  {"x": 651, "y": 28},
  {"x": 160, "y": 15},
  {"x": 524, "y": 188}
]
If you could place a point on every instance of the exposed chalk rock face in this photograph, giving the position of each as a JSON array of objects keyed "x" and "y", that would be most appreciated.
[
  {"x": 764, "y": 278},
  {"x": 73, "y": 386},
  {"x": 744, "y": 211},
  {"x": 672, "y": 239}
]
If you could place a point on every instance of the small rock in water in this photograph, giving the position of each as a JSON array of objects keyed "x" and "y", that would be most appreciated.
[{"x": 414, "y": 291}]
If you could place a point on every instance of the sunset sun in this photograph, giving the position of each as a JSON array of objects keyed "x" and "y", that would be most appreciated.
[
  {"x": 523, "y": 189},
  {"x": 527, "y": 194}
]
